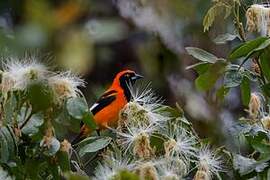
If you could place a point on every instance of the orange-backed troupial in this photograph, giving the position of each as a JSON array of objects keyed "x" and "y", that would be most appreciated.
[{"x": 106, "y": 109}]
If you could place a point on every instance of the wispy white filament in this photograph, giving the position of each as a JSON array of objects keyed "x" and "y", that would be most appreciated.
[{"x": 23, "y": 71}]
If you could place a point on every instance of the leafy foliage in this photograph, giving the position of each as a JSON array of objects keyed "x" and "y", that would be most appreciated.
[
  {"x": 254, "y": 129},
  {"x": 215, "y": 10},
  {"x": 31, "y": 145}
]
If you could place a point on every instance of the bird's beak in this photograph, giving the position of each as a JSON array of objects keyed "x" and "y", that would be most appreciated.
[{"x": 136, "y": 77}]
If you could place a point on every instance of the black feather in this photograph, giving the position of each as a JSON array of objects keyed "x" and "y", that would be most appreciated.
[{"x": 104, "y": 101}]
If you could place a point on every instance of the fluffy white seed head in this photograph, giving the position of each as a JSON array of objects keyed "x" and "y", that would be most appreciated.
[
  {"x": 181, "y": 144},
  {"x": 143, "y": 108},
  {"x": 22, "y": 72},
  {"x": 104, "y": 172},
  {"x": 145, "y": 96},
  {"x": 172, "y": 168},
  {"x": 209, "y": 162},
  {"x": 66, "y": 84},
  {"x": 111, "y": 167},
  {"x": 131, "y": 138}
]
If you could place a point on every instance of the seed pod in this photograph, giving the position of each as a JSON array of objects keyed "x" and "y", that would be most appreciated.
[
  {"x": 255, "y": 67},
  {"x": 147, "y": 171},
  {"x": 254, "y": 106},
  {"x": 169, "y": 147},
  {"x": 142, "y": 146},
  {"x": 258, "y": 19},
  {"x": 201, "y": 175},
  {"x": 65, "y": 146},
  {"x": 266, "y": 122}
]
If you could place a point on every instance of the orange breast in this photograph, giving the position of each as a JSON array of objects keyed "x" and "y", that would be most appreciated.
[{"x": 108, "y": 116}]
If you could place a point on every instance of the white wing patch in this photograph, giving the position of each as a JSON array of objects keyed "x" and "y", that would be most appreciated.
[{"x": 94, "y": 105}]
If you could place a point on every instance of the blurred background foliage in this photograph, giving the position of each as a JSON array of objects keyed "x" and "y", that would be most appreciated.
[{"x": 96, "y": 39}]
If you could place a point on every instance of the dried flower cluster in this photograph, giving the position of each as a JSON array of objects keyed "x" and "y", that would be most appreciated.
[
  {"x": 258, "y": 19},
  {"x": 141, "y": 120},
  {"x": 255, "y": 105},
  {"x": 257, "y": 113}
]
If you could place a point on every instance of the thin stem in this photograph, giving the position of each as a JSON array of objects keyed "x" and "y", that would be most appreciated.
[
  {"x": 26, "y": 120},
  {"x": 238, "y": 23},
  {"x": 78, "y": 158},
  {"x": 90, "y": 159},
  {"x": 261, "y": 72}
]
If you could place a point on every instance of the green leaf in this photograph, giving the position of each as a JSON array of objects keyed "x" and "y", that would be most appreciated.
[
  {"x": 211, "y": 14},
  {"x": 245, "y": 165},
  {"x": 40, "y": 95},
  {"x": 259, "y": 144},
  {"x": 170, "y": 112},
  {"x": 95, "y": 145},
  {"x": 246, "y": 48},
  {"x": 232, "y": 78},
  {"x": 245, "y": 91},
  {"x": 4, "y": 150},
  {"x": 33, "y": 125},
  {"x": 63, "y": 122},
  {"x": 8, "y": 143},
  {"x": 266, "y": 89},
  {"x": 87, "y": 140},
  {"x": 263, "y": 45},
  {"x": 11, "y": 140},
  {"x": 257, "y": 51},
  {"x": 53, "y": 147},
  {"x": 201, "y": 54},
  {"x": 200, "y": 67},
  {"x": 9, "y": 108},
  {"x": 222, "y": 92},
  {"x": 77, "y": 107},
  {"x": 33, "y": 167},
  {"x": 257, "y": 130},
  {"x": 208, "y": 79},
  {"x": 88, "y": 119},
  {"x": 223, "y": 38},
  {"x": 61, "y": 130},
  {"x": 64, "y": 161},
  {"x": 265, "y": 64}
]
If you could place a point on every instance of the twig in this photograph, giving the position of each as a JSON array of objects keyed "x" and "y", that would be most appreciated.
[
  {"x": 261, "y": 70},
  {"x": 26, "y": 120},
  {"x": 238, "y": 23}
]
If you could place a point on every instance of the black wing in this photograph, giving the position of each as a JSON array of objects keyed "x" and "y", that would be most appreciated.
[{"x": 106, "y": 99}]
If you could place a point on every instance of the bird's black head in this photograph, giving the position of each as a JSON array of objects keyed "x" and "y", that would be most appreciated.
[{"x": 126, "y": 78}]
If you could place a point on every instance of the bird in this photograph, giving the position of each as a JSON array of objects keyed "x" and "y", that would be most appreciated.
[{"x": 106, "y": 109}]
